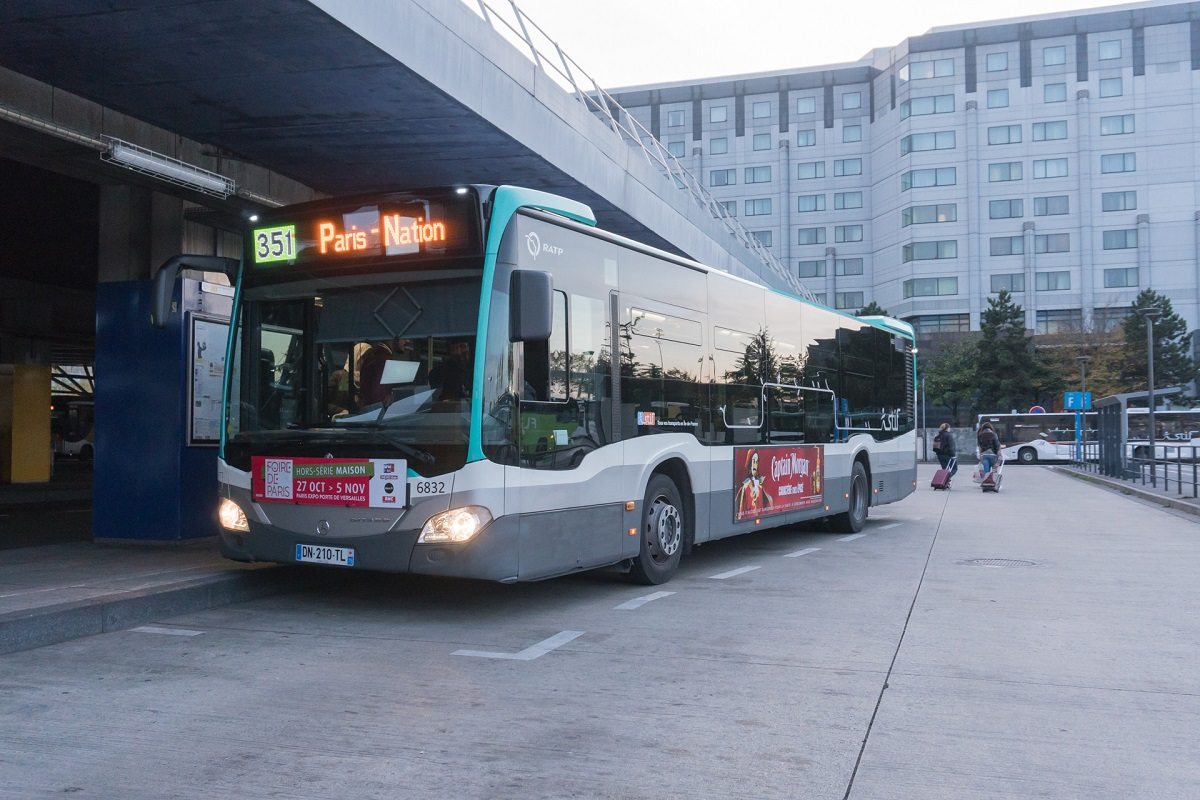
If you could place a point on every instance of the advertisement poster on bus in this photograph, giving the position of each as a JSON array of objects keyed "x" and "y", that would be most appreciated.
[
  {"x": 772, "y": 480},
  {"x": 361, "y": 482}
]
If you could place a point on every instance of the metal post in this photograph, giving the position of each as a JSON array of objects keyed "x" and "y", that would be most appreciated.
[
  {"x": 1151, "y": 314},
  {"x": 924, "y": 420}
]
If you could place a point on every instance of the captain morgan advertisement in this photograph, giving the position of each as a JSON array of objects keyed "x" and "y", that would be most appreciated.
[
  {"x": 368, "y": 483},
  {"x": 772, "y": 480}
]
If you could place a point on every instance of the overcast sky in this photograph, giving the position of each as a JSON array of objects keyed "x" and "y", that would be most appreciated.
[{"x": 630, "y": 42}]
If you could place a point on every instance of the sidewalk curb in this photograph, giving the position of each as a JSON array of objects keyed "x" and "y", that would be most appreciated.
[
  {"x": 1122, "y": 487},
  {"x": 32, "y": 628}
]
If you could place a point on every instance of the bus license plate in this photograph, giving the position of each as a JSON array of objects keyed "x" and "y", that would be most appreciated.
[{"x": 320, "y": 554}]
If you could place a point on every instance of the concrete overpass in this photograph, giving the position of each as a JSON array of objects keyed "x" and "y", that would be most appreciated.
[{"x": 345, "y": 96}]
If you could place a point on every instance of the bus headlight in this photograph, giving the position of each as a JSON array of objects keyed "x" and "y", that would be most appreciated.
[
  {"x": 232, "y": 517},
  {"x": 454, "y": 526}
]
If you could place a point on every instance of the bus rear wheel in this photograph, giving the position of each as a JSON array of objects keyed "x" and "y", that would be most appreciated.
[
  {"x": 856, "y": 515},
  {"x": 1027, "y": 455},
  {"x": 662, "y": 537}
]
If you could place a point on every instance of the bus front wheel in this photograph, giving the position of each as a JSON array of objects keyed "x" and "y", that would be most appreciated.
[
  {"x": 662, "y": 533},
  {"x": 1027, "y": 455},
  {"x": 856, "y": 515}
]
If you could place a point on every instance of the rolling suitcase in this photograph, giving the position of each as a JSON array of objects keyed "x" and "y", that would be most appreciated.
[{"x": 941, "y": 478}]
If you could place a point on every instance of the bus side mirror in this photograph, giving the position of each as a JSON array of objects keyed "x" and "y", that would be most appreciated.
[
  {"x": 168, "y": 273},
  {"x": 530, "y": 316}
]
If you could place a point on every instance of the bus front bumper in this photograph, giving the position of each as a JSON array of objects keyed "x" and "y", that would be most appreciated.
[{"x": 490, "y": 555}]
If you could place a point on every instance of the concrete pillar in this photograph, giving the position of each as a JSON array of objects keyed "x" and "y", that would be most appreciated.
[
  {"x": 1030, "y": 261},
  {"x": 1087, "y": 244},
  {"x": 139, "y": 230},
  {"x": 830, "y": 277},
  {"x": 1144, "y": 262},
  {"x": 974, "y": 213},
  {"x": 785, "y": 201},
  {"x": 1196, "y": 270},
  {"x": 25, "y": 423}
]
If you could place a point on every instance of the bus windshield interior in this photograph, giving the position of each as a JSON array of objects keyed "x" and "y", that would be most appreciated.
[{"x": 319, "y": 368}]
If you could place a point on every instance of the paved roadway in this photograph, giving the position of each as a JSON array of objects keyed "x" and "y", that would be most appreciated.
[{"x": 795, "y": 664}]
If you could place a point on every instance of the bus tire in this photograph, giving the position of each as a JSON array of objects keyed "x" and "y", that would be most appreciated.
[
  {"x": 855, "y": 517},
  {"x": 663, "y": 534},
  {"x": 1027, "y": 455}
]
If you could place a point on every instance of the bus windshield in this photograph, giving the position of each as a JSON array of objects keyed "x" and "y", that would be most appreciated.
[{"x": 383, "y": 368}]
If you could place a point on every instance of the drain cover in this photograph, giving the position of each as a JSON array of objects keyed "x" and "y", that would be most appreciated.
[{"x": 999, "y": 562}]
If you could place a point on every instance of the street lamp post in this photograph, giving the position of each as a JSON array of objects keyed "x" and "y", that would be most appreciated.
[
  {"x": 1151, "y": 314},
  {"x": 1083, "y": 362}
]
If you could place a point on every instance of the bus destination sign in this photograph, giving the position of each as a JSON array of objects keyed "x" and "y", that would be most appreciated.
[{"x": 396, "y": 228}]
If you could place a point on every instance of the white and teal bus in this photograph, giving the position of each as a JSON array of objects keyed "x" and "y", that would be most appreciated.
[{"x": 477, "y": 382}]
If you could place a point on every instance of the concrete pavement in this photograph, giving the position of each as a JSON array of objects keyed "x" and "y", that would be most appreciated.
[{"x": 1035, "y": 643}]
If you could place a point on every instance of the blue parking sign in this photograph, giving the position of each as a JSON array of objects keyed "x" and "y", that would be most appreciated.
[{"x": 1077, "y": 401}]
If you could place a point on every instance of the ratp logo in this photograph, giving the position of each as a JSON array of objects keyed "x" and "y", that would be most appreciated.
[{"x": 533, "y": 243}]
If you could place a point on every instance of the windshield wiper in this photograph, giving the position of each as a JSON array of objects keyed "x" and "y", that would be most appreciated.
[{"x": 403, "y": 445}]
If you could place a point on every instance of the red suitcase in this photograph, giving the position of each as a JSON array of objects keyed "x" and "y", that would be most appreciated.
[{"x": 941, "y": 478}]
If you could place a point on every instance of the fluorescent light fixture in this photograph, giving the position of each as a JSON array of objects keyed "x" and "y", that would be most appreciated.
[
  {"x": 461, "y": 190},
  {"x": 157, "y": 165},
  {"x": 253, "y": 217}
]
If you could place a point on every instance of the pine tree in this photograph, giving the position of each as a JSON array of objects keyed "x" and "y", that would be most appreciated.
[
  {"x": 1010, "y": 373},
  {"x": 1172, "y": 349}
]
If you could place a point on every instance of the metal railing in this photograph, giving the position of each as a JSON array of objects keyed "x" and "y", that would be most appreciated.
[
  {"x": 507, "y": 19},
  {"x": 1162, "y": 466}
]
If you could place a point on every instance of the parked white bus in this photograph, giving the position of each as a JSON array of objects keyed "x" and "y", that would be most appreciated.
[{"x": 477, "y": 382}]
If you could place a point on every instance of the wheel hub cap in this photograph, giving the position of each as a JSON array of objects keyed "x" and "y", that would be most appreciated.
[{"x": 667, "y": 528}]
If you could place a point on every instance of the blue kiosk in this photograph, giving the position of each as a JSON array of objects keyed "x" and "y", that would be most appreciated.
[{"x": 158, "y": 403}]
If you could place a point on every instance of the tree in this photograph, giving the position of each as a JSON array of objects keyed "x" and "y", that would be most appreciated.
[
  {"x": 872, "y": 309},
  {"x": 1009, "y": 372},
  {"x": 1172, "y": 359},
  {"x": 951, "y": 377},
  {"x": 1060, "y": 352}
]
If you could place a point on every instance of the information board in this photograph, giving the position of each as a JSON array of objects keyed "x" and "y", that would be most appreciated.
[{"x": 206, "y": 357}]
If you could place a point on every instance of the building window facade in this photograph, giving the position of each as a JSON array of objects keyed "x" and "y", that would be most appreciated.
[
  {"x": 1052, "y": 205},
  {"x": 1050, "y": 168},
  {"x": 923, "y": 215},
  {"x": 1123, "y": 239},
  {"x": 1118, "y": 201},
  {"x": 1004, "y": 134},
  {"x": 1121, "y": 278},
  {"x": 1004, "y": 171},
  {"x": 1006, "y": 209},
  {"x": 920, "y": 178},
  {"x": 930, "y": 287},
  {"x": 1008, "y": 282},
  {"x": 933, "y": 140},
  {"x": 930, "y": 251},
  {"x": 810, "y": 202}
]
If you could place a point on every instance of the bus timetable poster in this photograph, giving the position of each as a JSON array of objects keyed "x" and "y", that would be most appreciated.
[
  {"x": 772, "y": 480},
  {"x": 363, "y": 482}
]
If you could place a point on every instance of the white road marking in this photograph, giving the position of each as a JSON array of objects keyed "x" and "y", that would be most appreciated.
[
  {"x": 166, "y": 631},
  {"x": 851, "y": 537},
  {"x": 529, "y": 653},
  {"x": 732, "y": 573},
  {"x": 638, "y": 602},
  {"x": 803, "y": 552},
  {"x": 890, "y": 525}
]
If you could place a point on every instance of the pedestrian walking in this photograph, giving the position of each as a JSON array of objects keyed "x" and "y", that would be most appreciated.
[
  {"x": 989, "y": 448},
  {"x": 944, "y": 449}
]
